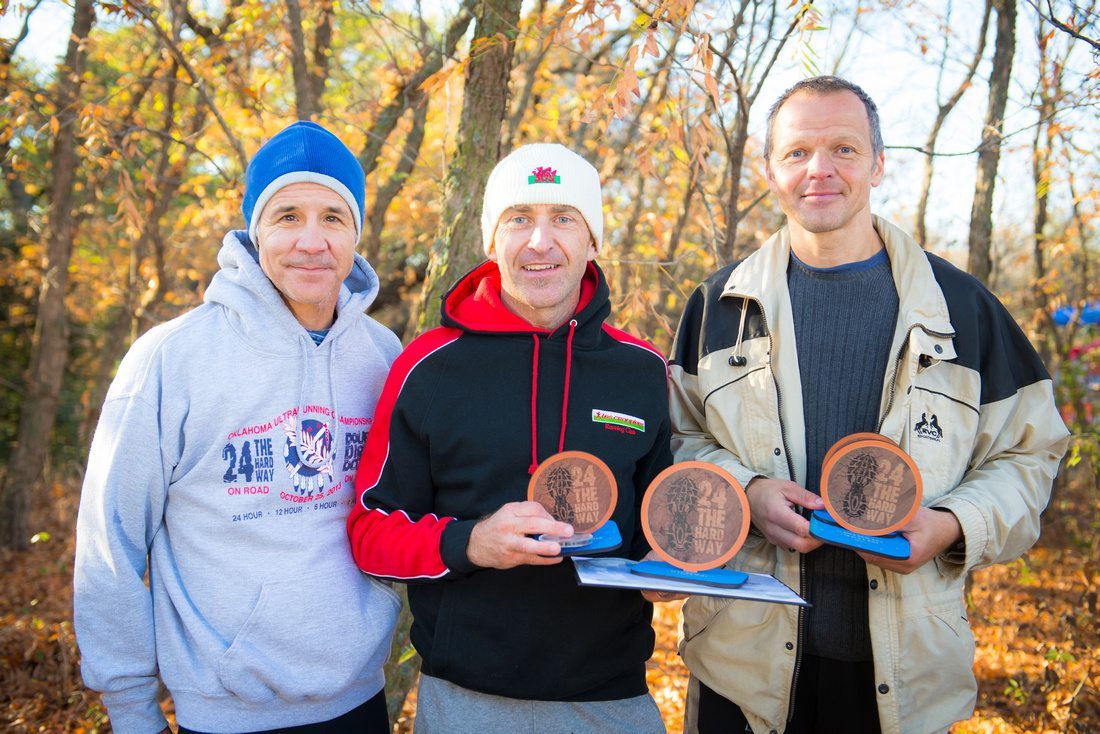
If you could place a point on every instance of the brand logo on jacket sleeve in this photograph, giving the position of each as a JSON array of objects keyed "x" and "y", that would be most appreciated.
[
  {"x": 928, "y": 427},
  {"x": 622, "y": 420}
]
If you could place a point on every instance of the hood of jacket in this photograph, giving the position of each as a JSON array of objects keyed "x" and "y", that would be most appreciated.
[
  {"x": 474, "y": 305},
  {"x": 258, "y": 311}
]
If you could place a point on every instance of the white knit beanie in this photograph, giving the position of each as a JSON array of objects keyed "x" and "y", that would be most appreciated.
[{"x": 542, "y": 173}]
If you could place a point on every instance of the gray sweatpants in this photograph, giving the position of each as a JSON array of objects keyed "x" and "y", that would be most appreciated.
[{"x": 444, "y": 708}]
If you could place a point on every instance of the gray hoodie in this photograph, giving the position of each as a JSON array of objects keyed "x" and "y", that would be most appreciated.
[{"x": 225, "y": 455}]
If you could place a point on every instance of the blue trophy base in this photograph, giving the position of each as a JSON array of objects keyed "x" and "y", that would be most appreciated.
[
  {"x": 604, "y": 538},
  {"x": 825, "y": 528},
  {"x": 721, "y": 577}
]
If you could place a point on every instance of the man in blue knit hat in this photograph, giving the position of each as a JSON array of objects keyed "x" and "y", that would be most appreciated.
[{"x": 223, "y": 466}]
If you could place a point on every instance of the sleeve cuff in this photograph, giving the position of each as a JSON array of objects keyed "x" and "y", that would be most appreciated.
[
  {"x": 452, "y": 546},
  {"x": 967, "y": 552},
  {"x": 142, "y": 717}
]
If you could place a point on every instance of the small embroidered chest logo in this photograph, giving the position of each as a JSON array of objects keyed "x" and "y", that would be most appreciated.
[
  {"x": 928, "y": 427},
  {"x": 618, "y": 420}
]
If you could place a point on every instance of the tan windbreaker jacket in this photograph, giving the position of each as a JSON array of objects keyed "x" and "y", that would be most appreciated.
[{"x": 958, "y": 356}]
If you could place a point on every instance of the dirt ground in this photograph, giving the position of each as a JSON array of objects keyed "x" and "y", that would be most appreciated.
[{"x": 1036, "y": 622}]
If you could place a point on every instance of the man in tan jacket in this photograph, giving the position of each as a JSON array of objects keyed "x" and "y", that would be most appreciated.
[{"x": 839, "y": 324}]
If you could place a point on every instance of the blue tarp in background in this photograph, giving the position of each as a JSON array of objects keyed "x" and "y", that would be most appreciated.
[{"x": 1091, "y": 314}]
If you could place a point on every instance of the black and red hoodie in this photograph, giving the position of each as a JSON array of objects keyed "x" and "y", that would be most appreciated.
[{"x": 469, "y": 409}]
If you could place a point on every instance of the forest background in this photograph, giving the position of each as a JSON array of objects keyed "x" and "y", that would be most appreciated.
[{"x": 125, "y": 128}]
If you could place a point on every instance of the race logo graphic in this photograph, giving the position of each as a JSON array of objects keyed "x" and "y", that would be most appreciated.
[
  {"x": 308, "y": 456},
  {"x": 682, "y": 501},
  {"x": 544, "y": 174},
  {"x": 928, "y": 427},
  {"x": 862, "y": 471},
  {"x": 559, "y": 485}
]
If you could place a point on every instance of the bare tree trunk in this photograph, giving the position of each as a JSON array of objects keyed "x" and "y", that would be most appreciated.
[
  {"x": 49, "y": 347},
  {"x": 1040, "y": 174},
  {"x": 523, "y": 103},
  {"x": 980, "y": 261},
  {"x": 736, "y": 150},
  {"x": 403, "y": 667},
  {"x": 22, "y": 202},
  {"x": 681, "y": 221},
  {"x": 941, "y": 116},
  {"x": 457, "y": 246},
  {"x": 303, "y": 82},
  {"x": 322, "y": 51},
  {"x": 626, "y": 271},
  {"x": 376, "y": 217},
  {"x": 748, "y": 80}
]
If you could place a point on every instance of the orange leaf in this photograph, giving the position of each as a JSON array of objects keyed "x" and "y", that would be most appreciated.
[{"x": 712, "y": 87}]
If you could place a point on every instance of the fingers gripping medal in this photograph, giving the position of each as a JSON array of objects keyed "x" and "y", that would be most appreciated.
[
  {"x": 871, "y": 489},
  {"x": 578, "y": 488},
  {"x": 696, "y": 517}
]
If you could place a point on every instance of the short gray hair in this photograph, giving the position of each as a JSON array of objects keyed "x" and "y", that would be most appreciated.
[{"x": 828, "y": 85}]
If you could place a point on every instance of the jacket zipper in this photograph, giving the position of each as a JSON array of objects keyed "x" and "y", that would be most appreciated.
[{"x": 801, "y": 559}]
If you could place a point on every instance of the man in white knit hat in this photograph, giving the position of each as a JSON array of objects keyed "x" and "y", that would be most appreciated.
[{"x": 523, "y": 367}]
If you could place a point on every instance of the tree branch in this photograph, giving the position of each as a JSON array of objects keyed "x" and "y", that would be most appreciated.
[
  {"x": 143, "y": 10},
  {"x": 1065, "y": 28}
]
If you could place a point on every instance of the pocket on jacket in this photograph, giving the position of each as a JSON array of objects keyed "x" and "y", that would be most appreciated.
[
  {"x": 942, "y": 425},
  {"x": 937, "y": 658},
  {"x": 757, "y": 555},
  {"x": 311, "y": 637},
  {"x": 698, "y": 612}
]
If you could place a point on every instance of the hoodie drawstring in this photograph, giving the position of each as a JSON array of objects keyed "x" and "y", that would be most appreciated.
[
  {"x": 534, "y": 407},
  {"x": 565, "y": 391},
  {"x": 564, "y": 399},
  {"x": 335, "y": 403},
  {"x": 304, "y": 362}
]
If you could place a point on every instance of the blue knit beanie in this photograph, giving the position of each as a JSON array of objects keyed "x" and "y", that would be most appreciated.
[{"x": 304, "y": 151}]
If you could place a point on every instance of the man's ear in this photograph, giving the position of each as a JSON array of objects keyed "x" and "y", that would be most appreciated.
[
  {"x": 879, "y": 170},
  {"x": 592, "y": 252}
]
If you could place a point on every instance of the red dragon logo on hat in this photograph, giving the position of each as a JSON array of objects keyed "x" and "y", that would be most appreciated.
[{"x": 543, "y": 174}]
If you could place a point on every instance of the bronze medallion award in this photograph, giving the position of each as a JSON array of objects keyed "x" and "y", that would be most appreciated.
[
  {"x": 695, "y": 516},
  {"x": 871, "y": 486},
  {"x": 871, "y": 489},
  {"x": 578, "y": 488}
]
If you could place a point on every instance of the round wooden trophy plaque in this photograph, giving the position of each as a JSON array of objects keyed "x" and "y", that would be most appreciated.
[
  {"x": 695, "y": 516},
  {"x": 577, "y": 488},
  {"x": 870, "y": 485}
]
